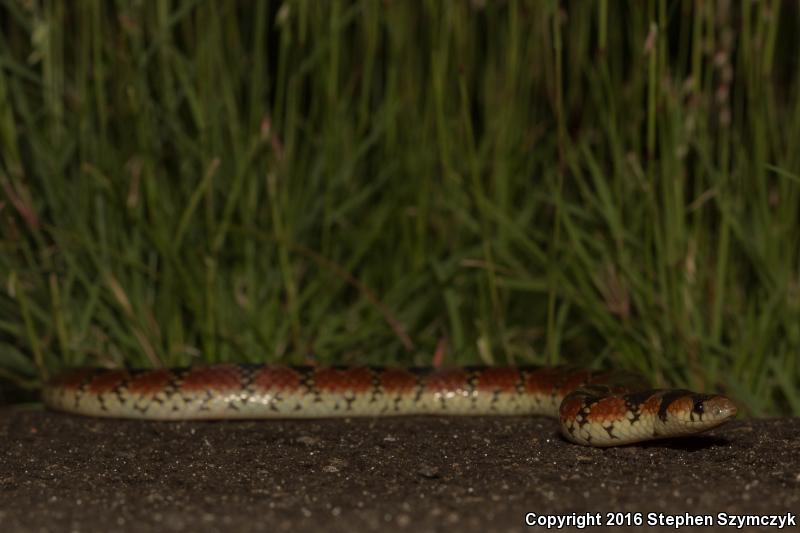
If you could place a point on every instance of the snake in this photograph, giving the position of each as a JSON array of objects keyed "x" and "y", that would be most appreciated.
[{"x": 594, "y": 408}]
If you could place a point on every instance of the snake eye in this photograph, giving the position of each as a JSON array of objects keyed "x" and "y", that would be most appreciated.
[{"x": 698, "y": 406}]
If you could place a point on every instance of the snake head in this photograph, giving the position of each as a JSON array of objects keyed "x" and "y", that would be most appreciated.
[
  {"x": 717, "y": 408},
  {"x": 684, "y": 412}
]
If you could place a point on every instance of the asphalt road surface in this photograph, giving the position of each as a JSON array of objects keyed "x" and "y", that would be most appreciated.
[{"x": 67, "y": 473}]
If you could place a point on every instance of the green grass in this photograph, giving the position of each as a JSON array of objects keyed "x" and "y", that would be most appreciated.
[{"x": 608, "y": 184}]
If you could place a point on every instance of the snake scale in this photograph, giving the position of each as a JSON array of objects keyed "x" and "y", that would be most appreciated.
[{"x": 594, "y": 408}]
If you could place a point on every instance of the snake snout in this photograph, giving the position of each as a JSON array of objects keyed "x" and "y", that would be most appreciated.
[{"x": 720, "y": 408}]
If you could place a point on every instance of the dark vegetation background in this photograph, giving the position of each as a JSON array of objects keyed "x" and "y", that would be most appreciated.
[{"x": 614, "y": 184}]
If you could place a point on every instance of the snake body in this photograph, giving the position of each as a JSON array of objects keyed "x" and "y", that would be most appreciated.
[{"x": 594, "y": 408}]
